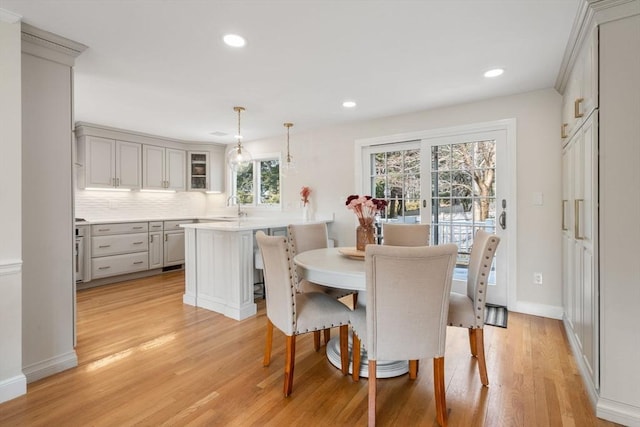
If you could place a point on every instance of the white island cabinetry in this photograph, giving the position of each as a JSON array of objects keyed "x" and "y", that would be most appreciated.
[{"x": 219, "y": 264}]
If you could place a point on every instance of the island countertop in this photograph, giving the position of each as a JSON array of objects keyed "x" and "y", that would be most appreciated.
[{"x": 244, "y": 224}]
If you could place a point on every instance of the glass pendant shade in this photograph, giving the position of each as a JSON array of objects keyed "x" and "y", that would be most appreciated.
[
  {"x": 288, "y": 165},
  {"x": 238, "y": 154}
]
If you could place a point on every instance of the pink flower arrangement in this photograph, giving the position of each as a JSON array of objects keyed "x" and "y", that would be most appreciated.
[
  {"x": 304, "y": 194},
  {"x": 365, "y": 207}
]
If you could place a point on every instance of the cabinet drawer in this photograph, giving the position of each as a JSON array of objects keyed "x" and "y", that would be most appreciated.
[
  {"x": 155, "y": 226},
  {"x": 119, "y": 228},
  {"x": 119, "y": 264},
  {"x": 121, "y": 244},
  {"x": 175, "y": 225}
]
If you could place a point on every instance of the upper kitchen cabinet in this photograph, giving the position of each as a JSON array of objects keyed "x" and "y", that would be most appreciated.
[
  {"x": 163, "y": 168},
  {"x": 109, "y": 163},
  {"x": 205, "y": 168}
]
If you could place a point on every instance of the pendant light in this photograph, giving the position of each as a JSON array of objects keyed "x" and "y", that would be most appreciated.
[
  {"x": 238, "y": 155},
  {"x": 289, "y": 166}
]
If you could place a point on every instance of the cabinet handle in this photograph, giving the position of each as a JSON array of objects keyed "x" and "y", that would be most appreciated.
[
  {"x": 564, "y": 214},
  {"x": 151, "y": 239},
  {"x": 138, "y": 243},
  {"x": 576, "y": 108},
  {"x": 104, "y": 268},
  {"x": 104, "y": 246},
  {"x": 104, "y": 229},
  {"x": 113, "y": 182},
  {"x": 117, "y": 182},
  {"x": 156, "y": 226},
  {"x": 138, "y": 262},
  {"x": 165, "y": 237},
  {"x": 138, "y": 227},
  {"x": 576, "y": 230},
  {"x": 563, "y": 130}
]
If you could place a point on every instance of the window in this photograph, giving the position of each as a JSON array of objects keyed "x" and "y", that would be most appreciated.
[
  {"x": 257, "y": 183},
  {"x": 394, "y": 175}
]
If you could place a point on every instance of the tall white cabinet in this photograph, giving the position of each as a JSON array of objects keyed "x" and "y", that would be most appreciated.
[{"x": 601, "y": 204}]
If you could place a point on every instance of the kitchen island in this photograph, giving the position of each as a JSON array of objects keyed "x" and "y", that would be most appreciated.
[{"x": 219, "y": 263}]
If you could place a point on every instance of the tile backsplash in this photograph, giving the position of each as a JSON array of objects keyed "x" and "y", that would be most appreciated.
[{"x": 100, "y": 205}]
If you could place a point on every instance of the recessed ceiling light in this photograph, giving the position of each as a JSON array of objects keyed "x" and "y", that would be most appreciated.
[
  {"x": 349, "y": 104},
  {"x": 494, "y": 73},
  {"x": 234, "y": 40}
]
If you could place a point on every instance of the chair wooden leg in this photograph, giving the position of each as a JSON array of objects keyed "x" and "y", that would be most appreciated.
[
  {"x": 413, "y": 369},
  {"x": 472, "y": 342},
  {"x": 327, "y": 336},
  {"x": 355, "y": 350},
  {"x": 289, "y": 364},
  {"x": 344, "y": 349},
  {"x": 372, "y": 393},
  {"x": 267, "y": 347},
  {"x": 316, "y": 340},
  {"x": 482, "y": 364},
  {"x": 439, "y": 391}
]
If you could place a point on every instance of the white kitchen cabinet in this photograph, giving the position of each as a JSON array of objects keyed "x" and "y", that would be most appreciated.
[
  {"x": 579, "y": 243},
  {"x": 581, "y": 93},
  {"x": 119, "y": 248},
  {"x": 199, "y": 170},
  {"x": 163, "y": 168},
  {"x": 156, "y": 249},
  {"x": 174, "y": 242},
  {"x": 109, "y": 163}
]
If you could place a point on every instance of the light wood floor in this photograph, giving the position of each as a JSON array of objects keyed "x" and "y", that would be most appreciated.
[{"x": 147, "y": 359}]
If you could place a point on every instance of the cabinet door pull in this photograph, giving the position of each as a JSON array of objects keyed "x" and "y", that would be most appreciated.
[
  {"x": 138, "y": 227},
  {"x": 104, "y": 268},
  {"x": 564, "y": 214},
  {"x": 165, "y": 237},
  {"x": 576, "y": 230},
  {"x": 104, "y": 246},
  {"x": 563, "y": 130},
  {"x": 138, "y": 243},
  {"x": 138, "y": 262},
  {"x": 151, "y": 239},
  {"x": 576, "y": 108},
  {"x": 117, "y": 182},
  {"x": 104, "y": 229}
]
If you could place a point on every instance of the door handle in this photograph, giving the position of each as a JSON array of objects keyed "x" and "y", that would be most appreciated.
[{"x": 502, "y": 220}]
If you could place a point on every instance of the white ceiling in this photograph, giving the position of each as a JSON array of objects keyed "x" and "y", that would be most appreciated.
[{"x": 160, "y": 66}]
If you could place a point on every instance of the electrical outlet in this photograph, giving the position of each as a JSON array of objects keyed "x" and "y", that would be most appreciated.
[{"x": 537, "y": 278}]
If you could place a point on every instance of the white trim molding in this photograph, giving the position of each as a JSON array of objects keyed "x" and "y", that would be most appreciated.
[
  {"x": 9, "y": 17},
  {"x": 617, "y": 412},
  {"x": 50, "y": 366},
  {"x": 10, "y": 266},
  {"x": 13, "y": 387}
]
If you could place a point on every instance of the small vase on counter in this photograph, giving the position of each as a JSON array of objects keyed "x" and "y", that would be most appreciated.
[{"x": 306, "y": 212}]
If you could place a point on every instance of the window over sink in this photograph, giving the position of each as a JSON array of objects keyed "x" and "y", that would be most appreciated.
[{"x": 257, "y": 183}]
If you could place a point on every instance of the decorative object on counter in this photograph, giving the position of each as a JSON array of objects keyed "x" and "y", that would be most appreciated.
[
  {"x": 289, "y": 166},
  {"x": 306, "y": 209},
  {"x": 239, "y": 154},
  {"x": 365, "y": 208}
]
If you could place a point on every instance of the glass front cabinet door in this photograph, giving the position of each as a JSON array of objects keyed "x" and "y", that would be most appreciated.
[{"x": 199, "y": 170}]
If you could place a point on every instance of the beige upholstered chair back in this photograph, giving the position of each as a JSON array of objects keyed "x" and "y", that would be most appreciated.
[
  {"x": 279, "y": 289},
  {"x": 482, "y": 252},
  {"x": 408, "y": 300},
  {"x": 406, "y": 234},
  {"x": 305, "y": 237}
]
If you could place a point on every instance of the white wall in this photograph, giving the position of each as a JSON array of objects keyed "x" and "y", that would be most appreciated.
[
  {"x": 12, "y": 381},
  {"x": 325, "y": 159}
]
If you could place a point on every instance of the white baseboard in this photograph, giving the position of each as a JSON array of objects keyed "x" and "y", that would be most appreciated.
[
  {"x": 543, "y": 310},
  {"x": 13, "y": 387},
  {"x": 50, "y": 366},
  {"x": 617, "y": 412}
]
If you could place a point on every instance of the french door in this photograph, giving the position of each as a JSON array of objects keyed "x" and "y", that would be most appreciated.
[{"x": 458, "y": 181}]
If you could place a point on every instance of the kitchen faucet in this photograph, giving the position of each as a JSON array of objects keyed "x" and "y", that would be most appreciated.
[{"x": 230, "y": 200}]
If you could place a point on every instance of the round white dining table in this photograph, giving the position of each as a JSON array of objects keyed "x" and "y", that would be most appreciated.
[{"x": 329, "y": 267}]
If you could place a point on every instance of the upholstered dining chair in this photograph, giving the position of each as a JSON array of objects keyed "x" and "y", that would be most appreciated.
[
  {"x": 306, "y": 237},
  {"x": 467, "y": 310},
  {"x": 296, "y": 313},
  {"x": 406, "y": 234},
  {"x": 406, "y": 313}
]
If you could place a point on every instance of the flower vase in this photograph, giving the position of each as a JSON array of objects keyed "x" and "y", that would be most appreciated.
[
  {"x": 365, "y": 234},
  {"x": 306, "y": 213}
]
